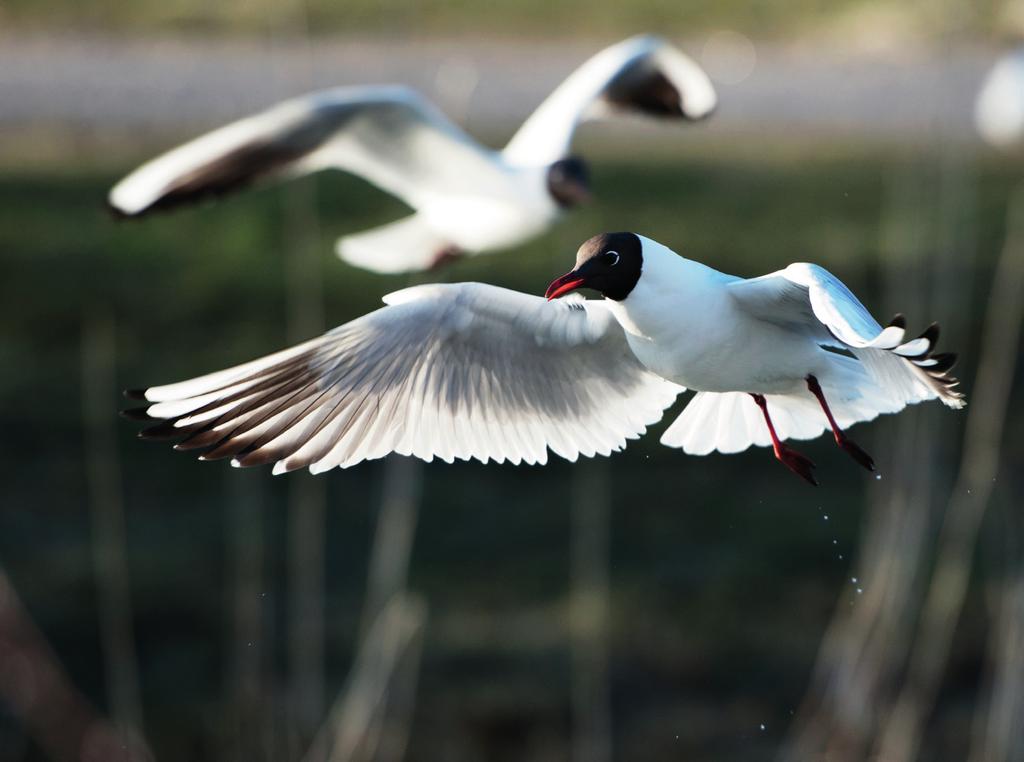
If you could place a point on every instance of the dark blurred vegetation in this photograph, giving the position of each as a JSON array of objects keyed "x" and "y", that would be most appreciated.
[
  {"x": 763, "y": 18},
  {"x": 724, "y": 570}
]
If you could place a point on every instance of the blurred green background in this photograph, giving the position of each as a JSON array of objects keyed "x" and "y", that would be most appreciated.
[{"x": 725, "y": 578}]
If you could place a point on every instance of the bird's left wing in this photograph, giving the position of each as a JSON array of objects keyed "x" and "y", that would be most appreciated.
[
  {"x": 450, "y": 371},
  {"x": 389, "y": 135},
  {"x": 808, "y": 298},
  {"x": 642, "y": 74}
]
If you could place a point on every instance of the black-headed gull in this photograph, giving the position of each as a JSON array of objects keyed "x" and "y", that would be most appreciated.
[
  {"x": 475, "y": 371},
  {"x": 468, "y": 199},
  {"x": 999, "y": 109}
]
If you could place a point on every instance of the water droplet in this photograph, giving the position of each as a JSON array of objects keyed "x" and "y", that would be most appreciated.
[
  {"x": 860, "y": 590},
  {"x": 853, "y": 580},
  {"x": 878, "y": 477},
  {"x": 762, "y": 726},
  {"x": 835, "y": 542},
  {"x": 826, "y": 517}
]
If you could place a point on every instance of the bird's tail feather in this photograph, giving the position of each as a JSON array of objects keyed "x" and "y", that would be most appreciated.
[
  {"x": 403, "y": 246},
  {"x": 731, "y": 421}
]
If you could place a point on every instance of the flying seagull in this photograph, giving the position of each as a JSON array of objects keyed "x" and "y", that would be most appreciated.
[
  {"x": 999, "y": 109},
  {"x": 467, "y": 198},
  {"x": 475, "y": 371}
]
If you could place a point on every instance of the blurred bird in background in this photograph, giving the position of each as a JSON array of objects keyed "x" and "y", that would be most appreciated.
[
  {"x": 467, "y": 198},
  {"x": 999, "y": 110}
]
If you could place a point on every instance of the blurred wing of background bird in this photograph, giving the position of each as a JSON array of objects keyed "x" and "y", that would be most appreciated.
[
  {"x": 389, "y": 135},
  {"x": 642, "y": 75}
]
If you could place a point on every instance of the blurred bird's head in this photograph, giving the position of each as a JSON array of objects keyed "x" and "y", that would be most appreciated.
[{"x": 569, "y": 181}]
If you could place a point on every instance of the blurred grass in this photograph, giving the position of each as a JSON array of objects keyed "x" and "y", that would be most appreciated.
[
  {"x": 453, "y": 18},
  {"x": 724, "y": 569}
]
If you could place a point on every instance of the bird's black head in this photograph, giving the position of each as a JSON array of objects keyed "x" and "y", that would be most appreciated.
[
  {"x": 610, "y": 263},
  {"x": 569, "y": 181}
]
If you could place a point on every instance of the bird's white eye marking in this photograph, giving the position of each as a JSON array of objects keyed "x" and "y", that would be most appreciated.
[{"x": 611, "y": 257}]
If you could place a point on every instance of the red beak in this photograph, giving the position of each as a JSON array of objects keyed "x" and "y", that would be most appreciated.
[{"x": 564, "y": 284}]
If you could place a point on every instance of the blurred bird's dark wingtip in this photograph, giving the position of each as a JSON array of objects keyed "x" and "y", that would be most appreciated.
[
  {"x": 135, "y": 394},
  {"x": 135, "y": 414}
]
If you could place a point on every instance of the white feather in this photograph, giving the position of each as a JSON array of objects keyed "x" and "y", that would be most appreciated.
[{"x": 448, "y": 371}]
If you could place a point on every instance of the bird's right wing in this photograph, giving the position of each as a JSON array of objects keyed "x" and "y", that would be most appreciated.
[
  {"x": 643, "y": 74},
  {"x": 389, "y": 135},
  {"x": 810, "y": 299},
  {"x": 448, "y": 371}
]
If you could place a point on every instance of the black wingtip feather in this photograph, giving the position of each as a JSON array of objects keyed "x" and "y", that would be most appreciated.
[
  {"x": 943, "y": 362},
  {"x": 931, "y": 333},
  {"x": 163, "y": 430},
  {"x": 209, "y": 438},
  {"x": 259, "y": 457},
  {"x": 226, "y": 447},
  {"x": 136, "y": 414},
  {"x": 933, "y": 366},
  {"x": 135, "y": 394}
]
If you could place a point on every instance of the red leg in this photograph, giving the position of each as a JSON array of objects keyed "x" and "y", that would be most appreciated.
[
  {"x": 844, "y": 442},
  {"x": 799, "y": 464},
  {"x": 445, "y": 257}
]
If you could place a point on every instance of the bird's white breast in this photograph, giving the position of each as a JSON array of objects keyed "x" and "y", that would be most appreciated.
[
  {"x": 682, "y": 324},
  {"x": 499, "y": 217}
]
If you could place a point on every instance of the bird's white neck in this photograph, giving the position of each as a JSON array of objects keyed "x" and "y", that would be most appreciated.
[{"x": 671, "y": 291}]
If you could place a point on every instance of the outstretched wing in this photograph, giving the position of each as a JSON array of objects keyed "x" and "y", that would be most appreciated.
[
  {"x": 808, "y": 297},
  {"x": 449, "y": 371},
  {"x": 388, "y": 135},
  {"x": 642, "y": 74}
]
